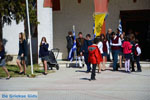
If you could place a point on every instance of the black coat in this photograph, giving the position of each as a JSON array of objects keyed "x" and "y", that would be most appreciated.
[
  {"x": 69, "y": 41},
  {"x": 22, "y": 48}
]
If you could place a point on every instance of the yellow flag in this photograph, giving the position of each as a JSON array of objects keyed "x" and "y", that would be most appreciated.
[{"x": 99, "y": 20}]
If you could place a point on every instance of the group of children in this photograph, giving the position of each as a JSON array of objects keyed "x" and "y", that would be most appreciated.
[{"x": 96, "y": 52}]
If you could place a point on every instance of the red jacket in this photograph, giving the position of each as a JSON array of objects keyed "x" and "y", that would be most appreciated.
[
  {"x": 94, "y": 55},
  {"x": 127, "y": 47}
]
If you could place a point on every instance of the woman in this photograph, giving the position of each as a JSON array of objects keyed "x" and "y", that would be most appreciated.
[
  {"x": 105, "y": 50},
  {"x": 43, "y": 53},
  {"x": 2, "y": 60},
  {"x": 22, "y": 54}
]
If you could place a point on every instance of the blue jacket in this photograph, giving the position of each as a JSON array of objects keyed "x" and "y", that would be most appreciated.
[
  {"x": 85, "y": 45},
  {"x": 44, "y": 50},
  {"x": 2, "y": 54},
  {"x": 22, "y": 48}
]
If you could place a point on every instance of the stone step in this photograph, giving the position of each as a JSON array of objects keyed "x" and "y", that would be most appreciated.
[{"x": 108, "y": 64}]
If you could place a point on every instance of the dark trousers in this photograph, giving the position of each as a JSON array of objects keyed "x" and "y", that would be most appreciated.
[
  {"x": 138, "y": 63},
  {"x": 93, "y": 71},
  {"x": 86, "y": 61},
  {"x": 115, "y": 59},
  {"x": 132, "y": 61}
]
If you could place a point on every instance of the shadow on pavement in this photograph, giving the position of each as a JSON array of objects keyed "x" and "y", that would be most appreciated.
[{"x": 84, "y": 79}]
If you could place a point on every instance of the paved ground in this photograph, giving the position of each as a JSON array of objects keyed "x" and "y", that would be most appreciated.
[{"x": 73, "y": 84}]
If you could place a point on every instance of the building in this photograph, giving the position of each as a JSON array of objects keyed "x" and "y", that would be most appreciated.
[{"x": 55, "y": 23}]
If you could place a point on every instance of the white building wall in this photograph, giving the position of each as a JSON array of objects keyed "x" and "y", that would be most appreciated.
[
  {"x": 45, "y": 28},
  {"x": 115, "y": 6},
  {"x": 11, "y": 35},
  {"x": 71, "y": 13}
]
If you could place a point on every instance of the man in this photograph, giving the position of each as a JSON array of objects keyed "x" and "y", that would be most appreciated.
[
  {"x": 80, "y": 42},
  {"x": 87, "y": 42},
  {"x": 69, "y": 39},
  {"x": 108, "y": 37},
  {"x": 115, "y": 43}
]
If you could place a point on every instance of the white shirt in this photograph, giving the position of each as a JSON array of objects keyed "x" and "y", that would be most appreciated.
[
  {"x": 100, "y": 46},
  {"x": 138, "y": 50},
  {"x": 107, "y": 44}
]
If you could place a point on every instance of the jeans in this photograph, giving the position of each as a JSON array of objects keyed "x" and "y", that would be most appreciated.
[
  {"x": 115, "y": 59},
  {"x": 138, "y": 63},
  {"x": 93, "y": 71}
]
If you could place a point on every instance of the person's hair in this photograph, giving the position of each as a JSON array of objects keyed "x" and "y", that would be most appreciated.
[
  {"x": 113, "y": 33},
  {"x": 69, "y": 33},
  {"x": 80, "y": 33},
  {"x": 96, "y": 40},
  {"x": 1, "y": 45},
  {"x": 132, "y": 37},
  {"x": 88, "y": 35},
  {"x": 99, "y": 38},
  {"x": 118, "y": 30},
  {"x": 136, "y": 41},
  {"x": 22, "y": 36},
  {"x": 126, "y": 38},
  {"x": 42, "y": 40},
  {"x": 102, "y": 35}
]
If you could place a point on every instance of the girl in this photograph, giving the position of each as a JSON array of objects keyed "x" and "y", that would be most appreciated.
[
  {"x": 121, "y": 51},
  {"x": 100, "y": 47},
  {"x": 2, "y": 60},
  {"x": 43, "y": 53},
  {"x": 127, "y": 49},
  {"x": 105, "y": 50},
  {"x": 22, "y": 54},
  {"x": 94, "y": 57}
]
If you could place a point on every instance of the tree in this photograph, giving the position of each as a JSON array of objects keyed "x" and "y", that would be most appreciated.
[{"x": 16, "y": 10}]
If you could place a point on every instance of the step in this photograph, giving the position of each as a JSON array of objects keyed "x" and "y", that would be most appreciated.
[{"x": 108, "y": 64}]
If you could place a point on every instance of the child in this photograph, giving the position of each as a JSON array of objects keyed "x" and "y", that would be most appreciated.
[
  {"x": 137, "y": 55},
  {"x": 80, "y": 42},
  {"x": 121, "y": 50},
  {"x": 87, "y": 42},
  {"x": 2, "y": 60},
  {"x": 43, "y": 53},
  {"x": 105, "y": 50},
  {"x": 127, "y": 49},
  {"x": 100, "y": 47},
  {"x": 22, "y": 54},
  {"x": 94, "y": 57}
]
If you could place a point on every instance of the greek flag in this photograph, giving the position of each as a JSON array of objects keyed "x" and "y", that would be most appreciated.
[
  {"x": 73, "y": 49},
  {"x": 94, "y": 32},
  {"x": 120, "y": 27}
]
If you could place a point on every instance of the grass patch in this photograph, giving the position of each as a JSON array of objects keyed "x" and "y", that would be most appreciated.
[{"x": 14, "y": 71}]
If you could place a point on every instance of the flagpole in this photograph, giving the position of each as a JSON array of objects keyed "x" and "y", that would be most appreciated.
[
  {"x": 28, "y": 19},
  {"x": 76, "y": 49}
]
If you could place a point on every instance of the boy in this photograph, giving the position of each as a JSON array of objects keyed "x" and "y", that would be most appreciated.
[
  {"x": 94, "y": 57},
  {"x": 80, "y": 42},
  {"x": 87, "y": 42},
  {"x": 137, "y": 55}
]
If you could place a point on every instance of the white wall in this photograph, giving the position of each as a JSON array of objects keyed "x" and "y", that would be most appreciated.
[
  {"x": 71, "y": 14},
  {"x": 45, "y": 28},
  {"x": 11, "y": 35},
  {"x": 115, "y": 6}
]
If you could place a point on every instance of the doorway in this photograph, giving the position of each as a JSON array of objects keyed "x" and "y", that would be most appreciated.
[{"x": 138, "y": 22}]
